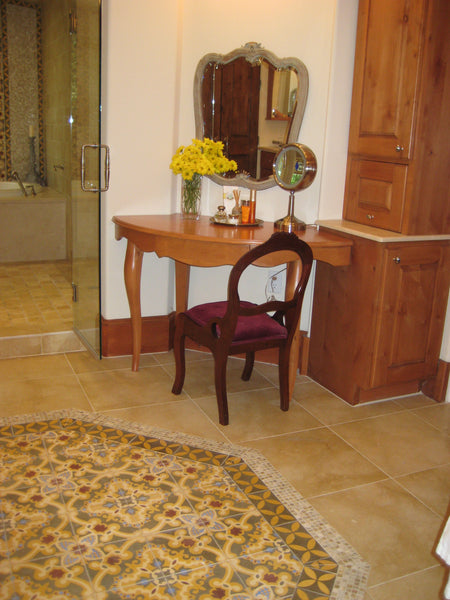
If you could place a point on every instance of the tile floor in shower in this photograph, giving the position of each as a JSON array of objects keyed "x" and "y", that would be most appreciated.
[{"x": 35, "y": 298}]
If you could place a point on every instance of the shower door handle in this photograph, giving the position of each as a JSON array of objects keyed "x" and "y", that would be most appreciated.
[{"x": 107, "y": 168}]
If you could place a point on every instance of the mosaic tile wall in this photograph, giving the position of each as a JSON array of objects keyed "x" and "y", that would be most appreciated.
[{"x": 21, "y": 90}]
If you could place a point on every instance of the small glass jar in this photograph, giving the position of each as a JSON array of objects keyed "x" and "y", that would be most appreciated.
[
  {"x": 245, "y": 211},
  {"x": 221, "y": 214}
]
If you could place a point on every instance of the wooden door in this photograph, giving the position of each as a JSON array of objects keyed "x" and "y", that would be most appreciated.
[
  {"x": 386, "y": 75},
  {"x": 412, "y": 312},
  {"x": 234, "y": 119}
]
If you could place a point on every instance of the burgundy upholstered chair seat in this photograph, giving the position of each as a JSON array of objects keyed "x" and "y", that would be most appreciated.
[{"x": 261, "y": 326}]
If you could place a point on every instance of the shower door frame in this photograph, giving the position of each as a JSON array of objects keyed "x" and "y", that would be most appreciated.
[{"x": 87, "y": 180}]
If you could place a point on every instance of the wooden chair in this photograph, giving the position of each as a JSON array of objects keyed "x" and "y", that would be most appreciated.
[{"x": 239, "y": 327}]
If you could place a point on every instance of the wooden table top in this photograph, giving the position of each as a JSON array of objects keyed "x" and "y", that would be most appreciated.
[{"x": 328, "y": 247}]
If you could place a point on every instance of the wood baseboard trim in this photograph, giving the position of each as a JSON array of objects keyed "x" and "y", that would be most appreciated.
[
  {"x": 436, "y": 387},
  {"x": 388, "y": 391},
  {"x": 117, "y": 338},
  {"x": 157, "y": 336}
]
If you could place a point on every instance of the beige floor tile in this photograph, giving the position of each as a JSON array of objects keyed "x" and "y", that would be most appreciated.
[
  {"x": 167, "y": 358},
  {"x": 425, "y": 585},
  {"x": 392, "y": 530},
  {"x": 182, "y": 416},
  {"x": 36, "y": 395},
  {"x": 34, "y": 367},
  {"x": 329, "y": 450},
  {"x": 85, "y": 362},
  {"x": 199, "y": 380},
  {"x": 271, "y": 373},
  {"x": 317, "y": 461},
  {"x": 432, "y": 487},
  {"x": 415, "y": 401},
  {"x": 437, "y": 415},
  {"x": 125, "y": 388},
  {"x": 330, "y": 409},
  {"x": 256, "y": 414},
  {"x": 391, "y": 442}
]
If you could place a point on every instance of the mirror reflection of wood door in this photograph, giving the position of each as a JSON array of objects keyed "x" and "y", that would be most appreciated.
[{"x": 233, "y": 116}]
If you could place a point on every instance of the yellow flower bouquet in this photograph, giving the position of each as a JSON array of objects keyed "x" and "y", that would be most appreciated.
[{"x": 202, "y": 157}]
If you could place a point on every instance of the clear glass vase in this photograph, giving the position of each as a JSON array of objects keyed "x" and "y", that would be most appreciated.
[{"x": 191, "y": 193}]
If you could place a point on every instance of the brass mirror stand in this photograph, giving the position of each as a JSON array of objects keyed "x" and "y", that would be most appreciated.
[
  {"x": 294, "y": 169},
  {"x": 290, "y": 221}
]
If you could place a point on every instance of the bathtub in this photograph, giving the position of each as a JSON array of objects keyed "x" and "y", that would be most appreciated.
[{"x": 32, "y": 228}]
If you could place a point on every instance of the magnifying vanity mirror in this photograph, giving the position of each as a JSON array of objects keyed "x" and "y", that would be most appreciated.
[
  {"x": 254, "y": 103},
  {"x": 294, "y": 169}
]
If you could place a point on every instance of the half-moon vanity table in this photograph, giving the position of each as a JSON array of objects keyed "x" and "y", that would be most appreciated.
[{"x": 202, "y": 244}]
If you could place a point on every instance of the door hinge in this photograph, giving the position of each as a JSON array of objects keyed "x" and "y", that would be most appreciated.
[{"x": 72, "y": 22}]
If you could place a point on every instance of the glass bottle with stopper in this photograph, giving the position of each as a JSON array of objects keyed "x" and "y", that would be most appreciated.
[{"x": 294, "y": 169}]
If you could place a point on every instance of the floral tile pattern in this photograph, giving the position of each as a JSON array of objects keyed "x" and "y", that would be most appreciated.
[{"x": 95, "y": 508}]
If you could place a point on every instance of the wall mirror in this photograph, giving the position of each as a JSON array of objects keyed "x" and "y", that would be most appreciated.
[{"x": 254, "y": 102}]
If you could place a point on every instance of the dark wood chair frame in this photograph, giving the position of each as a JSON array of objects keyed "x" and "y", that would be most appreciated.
[{"x": 218, "y": 333}]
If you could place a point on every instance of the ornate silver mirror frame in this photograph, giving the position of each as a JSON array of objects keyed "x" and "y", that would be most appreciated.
[{"x": 254, "y": 54}]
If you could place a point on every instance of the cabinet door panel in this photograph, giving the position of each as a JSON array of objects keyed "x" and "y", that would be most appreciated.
[
  {"x": 405, "y": 346},
  {"x": 385, "y": 77},
  {"x": 376, "y": 193}
]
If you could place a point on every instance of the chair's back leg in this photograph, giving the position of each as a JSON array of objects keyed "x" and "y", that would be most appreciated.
[{"x": 248, "y": 367}]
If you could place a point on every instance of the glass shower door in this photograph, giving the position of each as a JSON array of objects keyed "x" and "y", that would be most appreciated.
[{"x": 87, "y": 169}]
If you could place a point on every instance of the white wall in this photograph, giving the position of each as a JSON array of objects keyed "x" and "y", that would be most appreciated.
[
  {"x": 140, "y": 119},
  {"x": 151, "y": 51}
]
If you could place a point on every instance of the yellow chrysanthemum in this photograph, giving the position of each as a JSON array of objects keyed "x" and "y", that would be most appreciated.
[{"x": 202, "y": 157}]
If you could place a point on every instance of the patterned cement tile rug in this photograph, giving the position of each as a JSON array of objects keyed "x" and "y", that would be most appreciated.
[{"x": 97, "y": 508}]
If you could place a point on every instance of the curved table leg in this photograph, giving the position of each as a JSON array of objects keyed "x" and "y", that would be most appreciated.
[
  {"x": 132, "y": 274},
  {"x": 182, "y": 274}
]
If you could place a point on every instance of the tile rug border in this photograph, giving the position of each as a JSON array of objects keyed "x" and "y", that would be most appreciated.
[{"x": 353, "y": 572}]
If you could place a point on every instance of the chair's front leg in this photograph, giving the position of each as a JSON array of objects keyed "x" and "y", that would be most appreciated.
[
  {"x": 220, "y": 380},
  {"x": 284, "y": 378}
]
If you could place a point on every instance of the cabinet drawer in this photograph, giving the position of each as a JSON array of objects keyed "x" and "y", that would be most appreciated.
[{"x": 375, "y": 193}]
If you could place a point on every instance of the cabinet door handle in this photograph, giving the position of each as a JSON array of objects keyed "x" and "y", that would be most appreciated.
[
  {"x": 399, "y": 148},
  {"x": 371, "y": 217},
  {"x": 396, "y": 259}
]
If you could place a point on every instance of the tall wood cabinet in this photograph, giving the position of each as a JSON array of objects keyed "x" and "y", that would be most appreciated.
[
  {"x": 398, "y": 175},
  {"x": 377, "y": 325}
]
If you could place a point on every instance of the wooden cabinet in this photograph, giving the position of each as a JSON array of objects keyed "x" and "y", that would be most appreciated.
[
  {"x": 398, "y": 175},
  {"x": 377, "y": 325}
]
